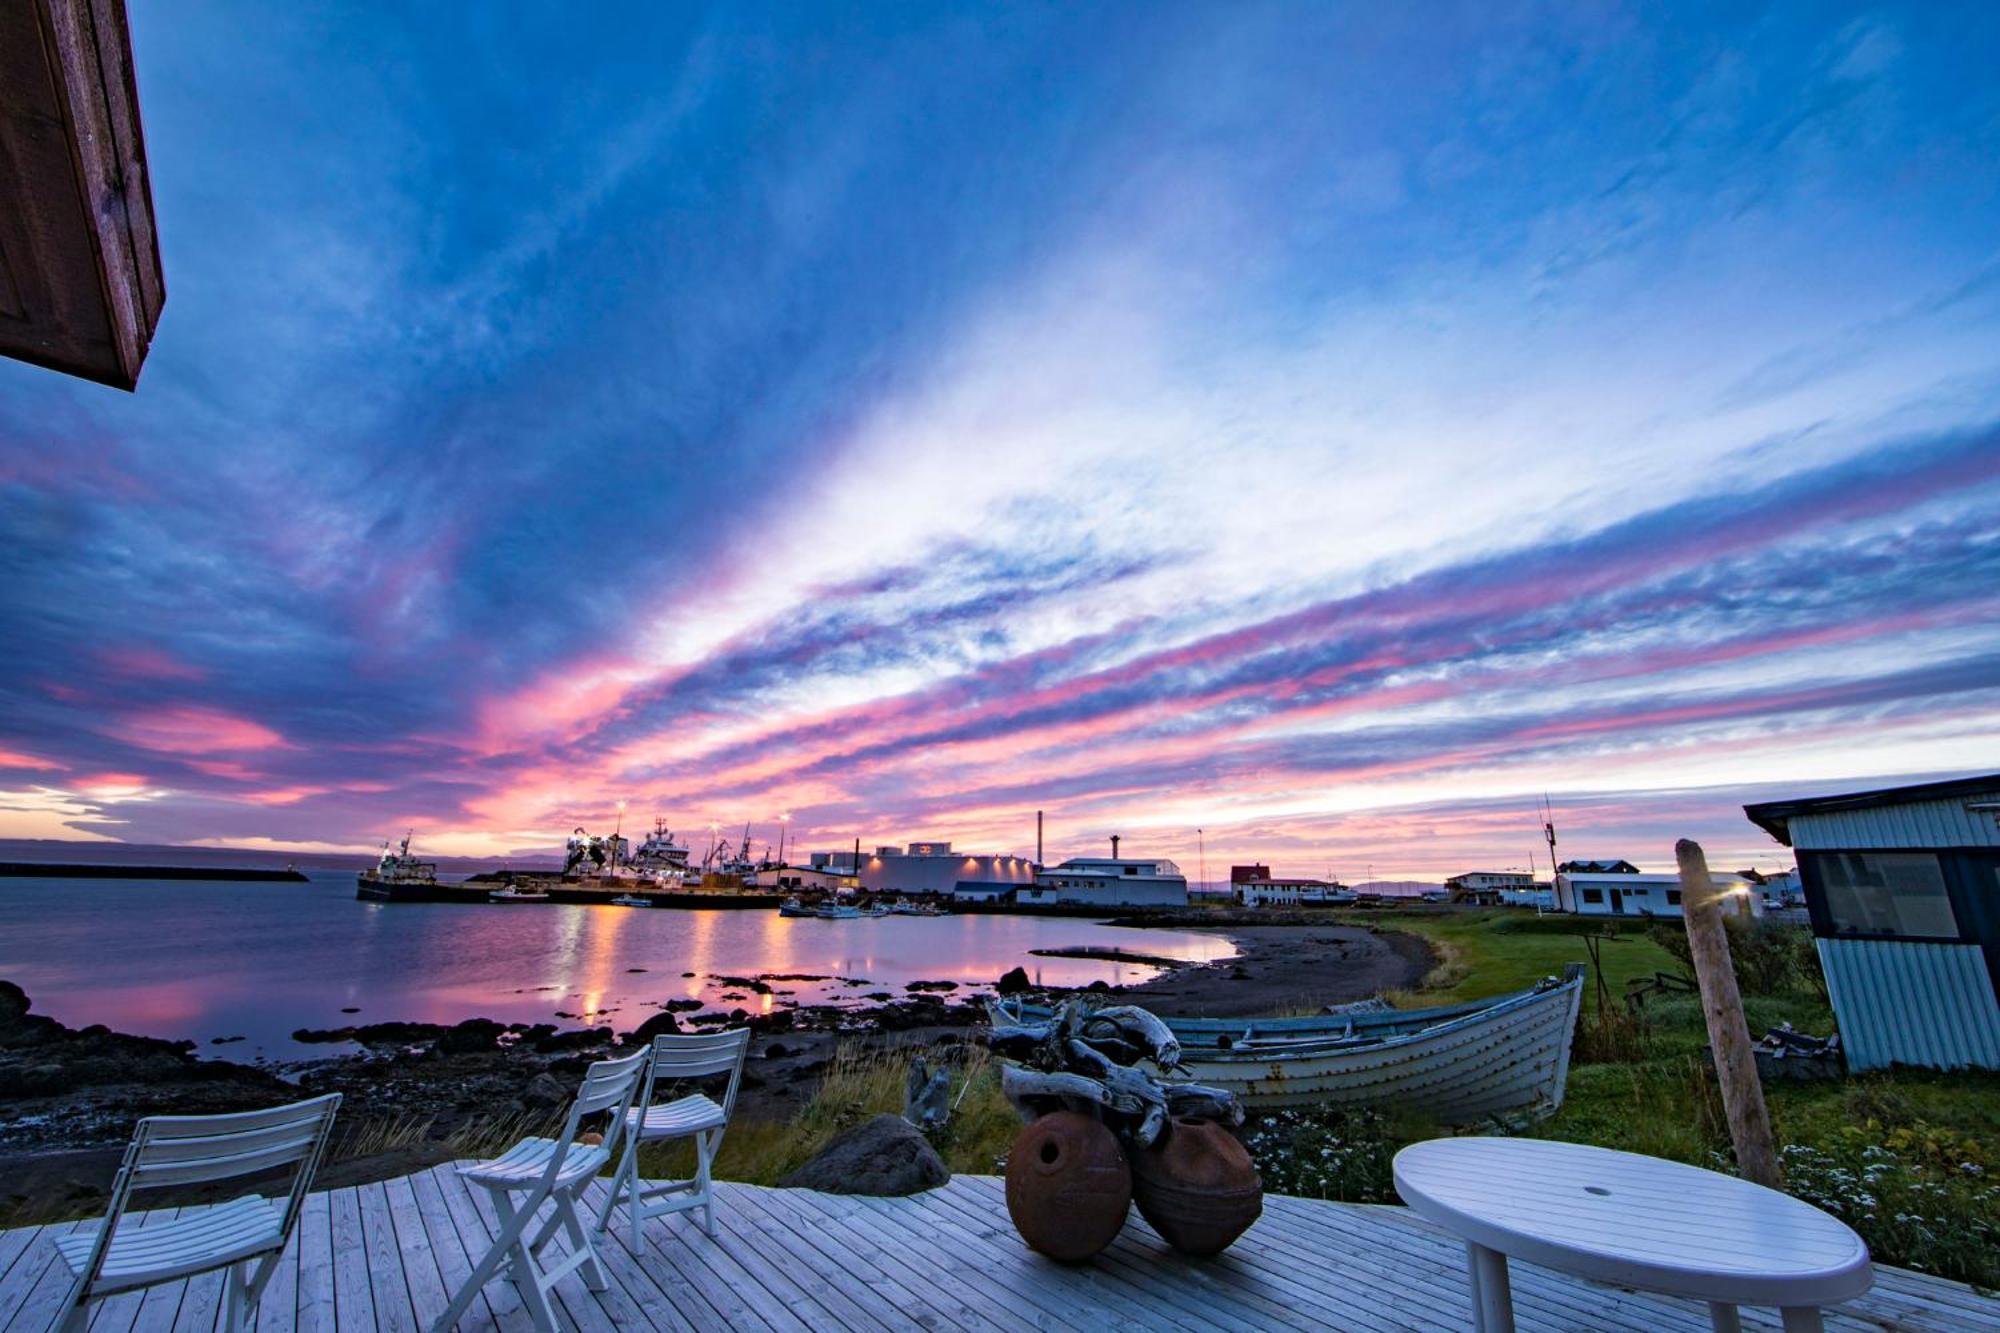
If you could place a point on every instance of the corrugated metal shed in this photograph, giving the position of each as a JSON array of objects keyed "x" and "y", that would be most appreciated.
[
  {"x": 1917, "y": 1004},
  {"x": 1946, "y": 823}
]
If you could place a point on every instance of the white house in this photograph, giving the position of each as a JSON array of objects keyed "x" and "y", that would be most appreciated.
[
  {"x": 1903, "y": 888},
  {"x": 1632, "y": 893},
  {"x": 1278, "y": 891}
]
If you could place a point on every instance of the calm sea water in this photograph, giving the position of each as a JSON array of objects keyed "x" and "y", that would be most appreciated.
[{"x": 200, "y": 959}]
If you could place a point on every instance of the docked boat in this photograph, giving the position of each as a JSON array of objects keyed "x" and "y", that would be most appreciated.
[
  {"x": 399, "y": 877},
  {"x": 1506, "y": 1057},
  {"x": 838, "y": 912},
  {"x": 660, "y": 860},
  {"x": 631, "y": 900},
  {"x": 515, "y": 894},
  {"x": 794, "y": 908}
]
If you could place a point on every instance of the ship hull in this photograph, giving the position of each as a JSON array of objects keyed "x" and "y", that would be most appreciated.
[{"x": 370, "y": 889}]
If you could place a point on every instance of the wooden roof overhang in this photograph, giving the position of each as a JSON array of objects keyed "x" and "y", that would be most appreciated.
[{"x": 80, "y": 281}]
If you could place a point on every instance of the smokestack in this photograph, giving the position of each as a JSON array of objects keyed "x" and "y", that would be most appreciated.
[
  {"x": 1038, "y": 837},
  {"x": 1114, "y": 846}
]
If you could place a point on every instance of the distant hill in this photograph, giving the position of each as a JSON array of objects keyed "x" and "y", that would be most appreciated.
[
  {"x": 151, "y": 854},
  {"x": 1397, "y": 888}
]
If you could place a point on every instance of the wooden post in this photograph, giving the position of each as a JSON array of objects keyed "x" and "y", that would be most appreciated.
[{"x": 1728, "y": 1033}]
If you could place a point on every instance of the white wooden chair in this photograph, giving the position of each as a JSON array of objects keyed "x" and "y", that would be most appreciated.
[
  {"x": 695, "y": 1116},
  {"x": 548, "y": 1170},
  {"x": 245, "y": 1235}
]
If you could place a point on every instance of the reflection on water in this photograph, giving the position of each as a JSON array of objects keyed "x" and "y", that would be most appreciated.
[{"x": 205, "y": 960}]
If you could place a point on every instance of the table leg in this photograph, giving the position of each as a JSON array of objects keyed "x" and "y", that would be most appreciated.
[
  {"x": 1492, "y": 1294},
  {"x": 1722, "y": 1317},
  {"x": 1802, "y": 1319}
]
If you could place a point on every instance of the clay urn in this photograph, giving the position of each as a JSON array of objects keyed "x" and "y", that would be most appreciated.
[
  {"x": 1068, "y": 1187},
  {"x": 1197, "y": 1187}
]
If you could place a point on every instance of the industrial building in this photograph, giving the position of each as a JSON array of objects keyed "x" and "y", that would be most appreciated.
[
  {"x": 1902, "y": 886},
  {"x": 1115, "y": 881},
  {"x": 927, "y": 867}
]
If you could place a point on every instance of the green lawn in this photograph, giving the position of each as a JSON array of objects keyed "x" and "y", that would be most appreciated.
[{"x": 1904, "y": 1156}]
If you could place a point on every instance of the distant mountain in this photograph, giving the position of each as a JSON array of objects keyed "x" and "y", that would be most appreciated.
[
  {"x": 1397, "y": 888},
  {"x": 148, "y": 854}
]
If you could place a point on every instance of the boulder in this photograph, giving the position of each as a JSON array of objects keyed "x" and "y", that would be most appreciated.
[
  {"x": 884, "y": 1155},
  {"x": 471, "y": 1036},
  {"x": 544, "y": 1091},
  {"x": 654, "y": 1026},
  {"x": 1014, "y": 982},
  {"x": 13, "y": 1002}
]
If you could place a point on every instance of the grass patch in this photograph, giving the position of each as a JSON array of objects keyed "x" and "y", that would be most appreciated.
[
  {"x": 859, "y": 1084},
  {"x": 1905, "y": 1157}
]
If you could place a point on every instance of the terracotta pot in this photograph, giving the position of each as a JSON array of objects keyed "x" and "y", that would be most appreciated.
[
  {"x": 1197, "y": 1187},
  {"x": 1068, "y": 1186}
]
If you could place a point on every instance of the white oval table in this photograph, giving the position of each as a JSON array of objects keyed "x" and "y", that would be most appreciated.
[{"x": 1630, "y": 1220}]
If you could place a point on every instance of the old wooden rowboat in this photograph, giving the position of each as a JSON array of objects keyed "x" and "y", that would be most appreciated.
[{"x": 1506, "y": 1057}]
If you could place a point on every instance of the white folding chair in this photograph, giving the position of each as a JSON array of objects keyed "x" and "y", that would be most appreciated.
[
  {"x": 245, "y": 1235},
  {"x": 695, "y": 1116},
  {"x": 541, "y": 1171}
]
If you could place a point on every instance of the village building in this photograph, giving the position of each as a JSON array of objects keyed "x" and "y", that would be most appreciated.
[{"x": 1902, "y": 885}]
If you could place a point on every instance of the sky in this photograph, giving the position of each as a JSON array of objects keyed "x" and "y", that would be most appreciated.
[{"x": 1327, "y": 427}]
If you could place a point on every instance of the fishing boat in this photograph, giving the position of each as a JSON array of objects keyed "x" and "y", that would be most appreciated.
[
  {"x": 793, "y": 907},
  {"x": 631, "y": 900},
  {"x": 398, "y": 877},
  {"x": 517, "y": 895},
  {"x": 837, "y": 912},
  {"x": 1506, "y": 1057}
]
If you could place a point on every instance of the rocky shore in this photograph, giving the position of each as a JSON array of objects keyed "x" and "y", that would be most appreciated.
[{"x": 415, "y": 1092}]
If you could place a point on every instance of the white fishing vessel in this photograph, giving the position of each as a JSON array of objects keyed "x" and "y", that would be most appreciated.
[
  {"x": 631, "y": 900},
  {"x": 660, "y": 859},
  {"x": 398, "y": 876}
]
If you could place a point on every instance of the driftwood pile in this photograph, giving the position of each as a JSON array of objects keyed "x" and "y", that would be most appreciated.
[{"x": 1093, "y": 1060}]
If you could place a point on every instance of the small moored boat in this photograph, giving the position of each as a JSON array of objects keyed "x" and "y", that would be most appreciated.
[
  {"x": 631, "y": 900},
  {"x": 1462, "y": 1063},
  {"x": 793, "y": 907},
  {"x": 515, "y": 895}
]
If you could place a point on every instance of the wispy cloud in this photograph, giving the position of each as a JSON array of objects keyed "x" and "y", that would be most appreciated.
[{"x": 1322, "y": 427}]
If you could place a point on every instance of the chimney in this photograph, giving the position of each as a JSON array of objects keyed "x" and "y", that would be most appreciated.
[
  {"x": 1114, "y": 846},
  {"x": 1038, "y": 837}
]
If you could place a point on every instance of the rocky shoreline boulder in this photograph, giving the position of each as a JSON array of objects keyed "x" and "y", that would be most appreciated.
[{"x": 883, "y": 1156}]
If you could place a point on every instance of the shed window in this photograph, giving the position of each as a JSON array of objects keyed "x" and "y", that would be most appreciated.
[
  {"x": 1593, "y": 895},
  {"x": 1673, "y": 897},
  {"x": 1887, "y": 893}
]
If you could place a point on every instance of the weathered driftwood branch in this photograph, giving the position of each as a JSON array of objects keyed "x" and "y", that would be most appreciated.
[
  {"x": 1088, "y": 1060},
  {"x": 1728, "y": 1033}
]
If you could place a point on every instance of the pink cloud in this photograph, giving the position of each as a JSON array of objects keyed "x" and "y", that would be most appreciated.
[
  {"x": 196, "y": 730},
  {"x": 145, "y": 662}
]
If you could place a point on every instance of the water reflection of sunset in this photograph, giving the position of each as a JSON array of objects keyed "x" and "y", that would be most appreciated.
[{"x": 250, "y": 962}]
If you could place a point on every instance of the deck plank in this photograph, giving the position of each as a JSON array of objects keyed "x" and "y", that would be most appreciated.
[
  {"x": 1039, "y": 1279},
  {"x": 503, "y": 1303},
  {"x": 41, "y": 1298},
  {"x": 872, "y": 1302},
  {"x": 389, "y": 1255},
  {"x": 662, "y": 1296}
]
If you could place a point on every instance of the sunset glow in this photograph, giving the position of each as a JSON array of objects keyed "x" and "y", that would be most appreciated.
[{"x": 961, "y": 424}]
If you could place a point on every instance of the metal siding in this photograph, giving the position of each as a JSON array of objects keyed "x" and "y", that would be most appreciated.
[
  {"x": 1916, "y": 824},
  {"x": 1914, "y": 1004}
]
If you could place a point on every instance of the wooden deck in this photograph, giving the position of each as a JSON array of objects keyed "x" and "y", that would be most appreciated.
[{"x": 388, "y": 1255}]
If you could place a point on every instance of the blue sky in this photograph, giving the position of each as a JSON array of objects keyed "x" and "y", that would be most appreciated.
[{"x": 1327, "y": 426}]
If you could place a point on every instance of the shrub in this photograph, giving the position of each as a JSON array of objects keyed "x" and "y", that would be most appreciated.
[
  {"x": 1770, "y": 957},
  {"x": 1324, "y": 1154},
  {"x": 1919, "y": 1195}
]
